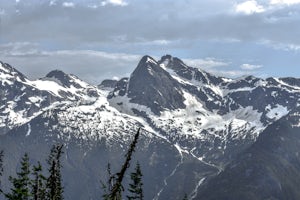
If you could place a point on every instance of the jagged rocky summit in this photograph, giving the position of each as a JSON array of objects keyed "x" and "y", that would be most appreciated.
[{"x": 198, "y": 129}]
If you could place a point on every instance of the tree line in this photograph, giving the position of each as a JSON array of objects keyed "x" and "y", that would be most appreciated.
[{"x": 31, "y": 183}]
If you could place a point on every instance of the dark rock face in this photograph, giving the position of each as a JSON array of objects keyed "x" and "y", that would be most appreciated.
[
  {"x": 108, "y": 83},
  {"x": 187, "y": 72},
  {"x": 151, "y": 86},
  {"x": 269, "y": 169},
  {"x": 291, "y": 81},
  {"x": 120, "y": 88},
  {"x": 210, "y": 123},
  {"x": 63, "y": 79},
  {"x": 17, "y": 95}
]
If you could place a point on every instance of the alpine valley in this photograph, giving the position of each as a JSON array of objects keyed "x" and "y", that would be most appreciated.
[{"x": 206, "y": 136}]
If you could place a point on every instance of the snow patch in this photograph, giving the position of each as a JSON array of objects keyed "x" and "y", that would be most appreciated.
[
  {"x": 35, "y": 99},
  {"x": 277, "y": 112},
  {"x": 180, "y": 150},
  {"x": 28, "y": 130},
  {"x": 297, "y": 116},
  {"x": 296, "y": 88},
  {"x": 195, "y": 191},
  {"x": 47, "y": 85},
  {"x": 151, "y": 60}
]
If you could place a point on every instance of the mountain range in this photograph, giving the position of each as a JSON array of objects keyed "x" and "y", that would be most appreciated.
[{"x": 203, "y": 135}]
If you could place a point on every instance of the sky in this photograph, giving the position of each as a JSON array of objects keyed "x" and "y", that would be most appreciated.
[{"x": 105, "y": 39}]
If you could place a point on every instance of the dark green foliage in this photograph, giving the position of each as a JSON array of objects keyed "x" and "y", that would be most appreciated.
[
  {"x": 114, "y": 184},
  {"x": 38, "y": 183},
  {"x": 54, "y": 181},
  {"x": 1, "y": 167},
  {"x": 39, "y": 187},
  {"x": 1, "y": 162},
  {"x": 108, "y": 185},
  {"x": 136, "y": 187},
  {"x": 21, "y": 184},
  {"x": 185, "y": 197}
]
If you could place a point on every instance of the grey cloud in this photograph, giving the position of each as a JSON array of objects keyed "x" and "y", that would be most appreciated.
[
  {"x": 250, "y": 66},
  {"x": 144, "y": 21},
  {"x": 54, "y": 36},
  {"x": 91, "y": 66},
  {"x": 68, "y": 4},
  {"x": 206, "y": 63},
  {"x": 231, "y": 73}
]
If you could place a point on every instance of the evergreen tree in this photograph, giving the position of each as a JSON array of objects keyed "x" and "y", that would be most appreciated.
[
  {"x": 115, "y": 181},
  {"x": 38, "y": 183},
  {"x": 185, "y": 197},
  {"x": 136, "y": 187},
  {"x": 21, "y": 184},
  {"x": 109, "y": 184},
  {"x": 54, "y": 181},
  {"x": 1, "y": 167},
  {"x": 1, "y": 163}
]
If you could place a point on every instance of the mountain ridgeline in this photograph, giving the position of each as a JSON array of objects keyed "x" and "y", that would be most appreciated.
[{"x": 206, "y": 136}]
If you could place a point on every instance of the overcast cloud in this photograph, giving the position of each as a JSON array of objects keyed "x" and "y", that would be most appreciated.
[{"x": 97, "y": 39}]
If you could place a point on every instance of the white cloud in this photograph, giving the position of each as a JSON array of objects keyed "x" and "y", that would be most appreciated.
[
  {"x": 91, "y": 66},
  {"x": 231, "y": 73},
  {"x": 250, "y": 67},
  {"x": 116, "y": 78},
  {"x": 154, "y": 42},
  {"x": 220, "y": 68},
  {"x": 68, "y": 4},
  {"x": 93, "y": 6},
  {"x": 114, "y": 2},
  {"x": 206, "y": 63},
  {"x": 249, "y": 7},
  {"x": 19, "y": 49},
  {"x": 280, "y": 46},
  {"x": 52, "y": 3},
  {"x": 284, "y": 2},
  {"x": 94, "y": 66}
]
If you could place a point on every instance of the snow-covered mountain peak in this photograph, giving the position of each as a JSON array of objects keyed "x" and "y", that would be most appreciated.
[
  {"x": 151, "y": 86},
  {"x": 185, "y": 102},
  {"x": 181, "y": 103},
  {"x": 206, "y": 117},
  {"x": 108, "y": 84},
  {"x": 22, "y": 99},
  {"x": 149, "y": 59},
  {"x": 8, "y": 74},
  {"x": 173, "y": 63},
  {"x": 65, "y": 80},
  {"x": 58, "y": 76}
]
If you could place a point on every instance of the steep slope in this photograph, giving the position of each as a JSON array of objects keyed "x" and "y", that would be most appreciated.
[
  {"x": 84, "y": 161},
  {"x": 219, "y": 117},
  {"x": 22, "y": 99},
  {"x": 94, "y": 133},
  {"x": 151, "y": 86},
  {"x": 269, "y": 169},
  {"x": 194, "y": 123}
]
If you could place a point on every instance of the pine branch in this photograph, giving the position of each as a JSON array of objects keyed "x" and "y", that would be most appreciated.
[{"x": 117, "y": 187}]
